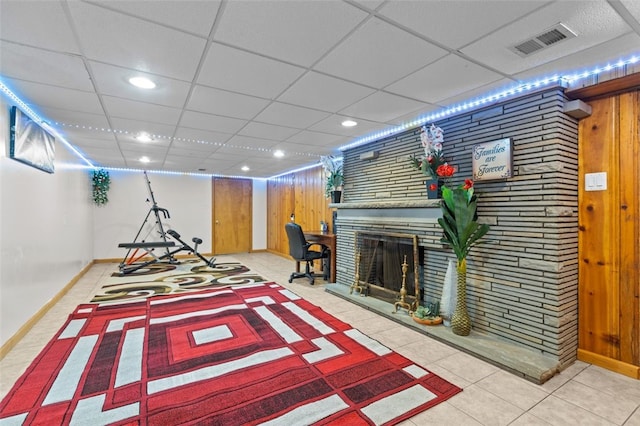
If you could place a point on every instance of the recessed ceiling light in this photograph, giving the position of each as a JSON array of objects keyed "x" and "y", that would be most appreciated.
[
  {"x": 278, "y": 154},
  {"x": 142, "y": 82},
  {"x": 144, "y": 137},
  {"x": 145, "y": 159},
  {"x": 245, "y": 168},
  {"x": 349, "y": 123}
]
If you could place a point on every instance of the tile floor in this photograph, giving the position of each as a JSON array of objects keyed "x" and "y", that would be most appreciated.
[{"x": 581, "y": 395}]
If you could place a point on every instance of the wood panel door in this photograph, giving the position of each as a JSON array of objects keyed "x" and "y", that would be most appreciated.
[
  {"x": 609, "y": 235},
  {"x": 232, "y": 215}
]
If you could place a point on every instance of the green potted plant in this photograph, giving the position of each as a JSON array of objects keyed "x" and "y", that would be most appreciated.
[
  {"x": 428, "y": 314},
  {"x": 334, "y": 177},
  {"x": 461, "y": 232}
]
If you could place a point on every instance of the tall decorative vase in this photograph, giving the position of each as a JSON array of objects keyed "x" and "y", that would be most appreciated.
[
  {"x": 448, "y": 299},
  {"x": 433, "y": 188},
  {"x": 460, "y": 322}
]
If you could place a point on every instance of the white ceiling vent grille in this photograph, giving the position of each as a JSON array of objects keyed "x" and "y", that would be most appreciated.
[{"x": 542, "y": 41}]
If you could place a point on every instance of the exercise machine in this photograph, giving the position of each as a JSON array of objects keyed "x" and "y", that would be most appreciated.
[{"x": 139, "y": 251}]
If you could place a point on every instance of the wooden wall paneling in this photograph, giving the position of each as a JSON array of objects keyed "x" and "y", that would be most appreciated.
[
  {"x": 629, "y": 206},
  {"x": 598, "y": 304}
]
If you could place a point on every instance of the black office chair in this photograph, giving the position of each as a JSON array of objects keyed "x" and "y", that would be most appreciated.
[{"x": 299, "y": 250}]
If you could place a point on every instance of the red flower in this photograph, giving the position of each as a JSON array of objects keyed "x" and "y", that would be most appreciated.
[
  {"x": 468, "y": 184},
  {"x": 433, "y": 187},
  {"x": 445, "y": 170}
]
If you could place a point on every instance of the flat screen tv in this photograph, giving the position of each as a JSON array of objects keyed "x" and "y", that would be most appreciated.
[{"x": 30, "y": 143}]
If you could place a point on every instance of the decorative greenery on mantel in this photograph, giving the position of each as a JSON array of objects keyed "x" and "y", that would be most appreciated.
[{"x": 100, "y": 181}]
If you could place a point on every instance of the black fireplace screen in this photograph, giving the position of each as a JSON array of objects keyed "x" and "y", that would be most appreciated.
[{"x": 382, "y": 256}]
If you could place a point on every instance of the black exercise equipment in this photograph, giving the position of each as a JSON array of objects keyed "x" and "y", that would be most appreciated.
[{"x": 133, "y": 261}]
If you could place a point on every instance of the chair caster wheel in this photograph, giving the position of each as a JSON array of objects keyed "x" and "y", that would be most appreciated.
[
  {"x": 290, "y": 280},
  {"x": 311, "y": 283}
]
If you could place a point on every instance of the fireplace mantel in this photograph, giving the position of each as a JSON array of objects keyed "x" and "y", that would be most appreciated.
[{"x": 393, "y": 204}]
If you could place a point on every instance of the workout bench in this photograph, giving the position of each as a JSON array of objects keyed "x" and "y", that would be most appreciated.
[{"x": 130, "y": 262}]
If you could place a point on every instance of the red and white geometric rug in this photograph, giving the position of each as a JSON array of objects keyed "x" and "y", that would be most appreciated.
[{"x": 252, "y": 354}]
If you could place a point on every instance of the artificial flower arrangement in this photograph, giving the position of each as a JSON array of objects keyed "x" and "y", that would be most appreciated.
[
  {"x": 433, "y": 164},
  {"x": 333, "y": 174},
  {"x": 100, "y": 182}
]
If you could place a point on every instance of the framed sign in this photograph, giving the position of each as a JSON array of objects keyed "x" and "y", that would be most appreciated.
[{"x": 492, "y": 160}]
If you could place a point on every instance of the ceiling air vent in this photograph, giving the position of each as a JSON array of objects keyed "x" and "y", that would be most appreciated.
[{"x": 543, "y": 40}]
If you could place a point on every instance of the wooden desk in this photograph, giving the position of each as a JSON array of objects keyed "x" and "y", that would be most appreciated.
[{"x": 329, "y": 240}]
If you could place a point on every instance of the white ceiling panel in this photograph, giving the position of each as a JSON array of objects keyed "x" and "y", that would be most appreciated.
[
  {"x": 293, "y": 31},
  {"x": 37, "y": 23},
  {"x": 382, "y": 107},
  {"x": 26, "y": 63},
  {"x": 315, "y": 90},
  {"x": 221, "y": 102},
  {"x": 142, "y": 111},
  {"x": 593, "y": 22},
  {"x": 135, "y": 43},
  {"x": 268, "y": 131},
  {"x": 372, "y": 54},
  {"x": 236, "y": 80},
  {"x": 216, "y": 123},
  {"x": 188, "y": 15},
  {"x": 290, "y": 115},
  {"x": 239, "y": 71},
  {"x": 454, "y": 23},
  {"x": 448, "y": 76},
  {"x": 114, "y": 81}
]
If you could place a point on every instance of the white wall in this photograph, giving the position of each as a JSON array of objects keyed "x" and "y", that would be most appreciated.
[
  {"x": 188, "y": 200},
  {"x": 46, "y": 226}
]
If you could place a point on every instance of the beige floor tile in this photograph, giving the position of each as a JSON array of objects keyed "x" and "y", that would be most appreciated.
[
  {"x": 517, "y": 391},
  {"x": 442, "y": 414},
  {"x": 634, "y": 419},
  {"x": 469, "y": 368},
  {"x": 528, "y": 419},
  {"x": 614, "y": 409},
  {"x": 485, "y": 407},
  {"x": 558, "y": 412},
  {"x": 610, "y": 383},
  {"x": 567, "y": 374}
]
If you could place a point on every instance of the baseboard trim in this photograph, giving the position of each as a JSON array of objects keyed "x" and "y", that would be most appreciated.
[
  {"x": 618, "y": 366},
  {"x": 31, "y": 322}
]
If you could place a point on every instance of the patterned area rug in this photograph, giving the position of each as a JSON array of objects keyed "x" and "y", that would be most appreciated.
[
  {"x": 164, "y": 278},
  {"x": 240, "y": 355}
]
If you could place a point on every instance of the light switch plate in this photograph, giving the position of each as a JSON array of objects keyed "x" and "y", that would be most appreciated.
[{"x": 595, "y": 181}]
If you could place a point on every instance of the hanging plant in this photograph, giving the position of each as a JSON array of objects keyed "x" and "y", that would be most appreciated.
[{"x": 100, "y": 181}]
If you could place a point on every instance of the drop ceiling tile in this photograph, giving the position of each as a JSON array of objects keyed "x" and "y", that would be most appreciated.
[
  {"x": 319, "y": 91},
  {"x": 27, "y": 63},
  {"x": 448, "y": 76},
  {"x": 633, "y": 7},
  {"x": 202, "y": 136},
  {"x": 378, "y": 54},
  {"x": 221, "y": 102},
  {"x": 192, "y": 145},
  {"x": 418, "y": 115},
  {"x": 217, "y": 123},
  {"x": 17, "y": 24},
  {"x": 382, "y": 107},
  {"x": 593, "y": 22},
  {"x": 456, "y": 23},
  {"x": 243, "y": 72},
  {"x": 247, "y": 143},
  {"x": 333, "y": 125},
  {"x": 63, "y": 118},
  {"x": 323, "y": 140},
  {"x": 113, "y": 81},
  {"x": 130, "y": 42},
  {"x": 268, "y": 131},
  {"x": 47, "y": 96},
  {"x": 607, "y": 53},
  {"x": 129, "y": 129},
  {"x": 190, "y": 16},
  {"x": 477, "y": 93},
  {"x": 290, "y": 115},
  {"x": 134, "y": 110},
  {"x": 296, "y": 32}
]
